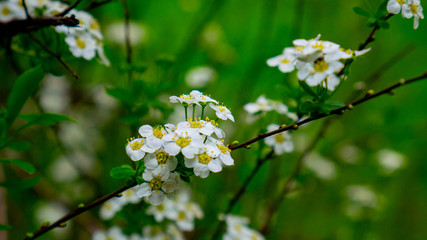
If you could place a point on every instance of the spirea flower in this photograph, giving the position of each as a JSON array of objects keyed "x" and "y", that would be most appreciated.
[
  {"x": 280, "y": 142},
  {"x": 237, "y": 228},
  {"x": 413, "y": 8},
  {"x": 157, "y": 186},
  {"x": 114, "y": 233},
  {"x": 285, "y": 61},
  {"x": 222, "y": 112}
]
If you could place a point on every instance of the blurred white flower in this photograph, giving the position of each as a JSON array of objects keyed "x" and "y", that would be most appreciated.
[
  {"x": 199, "y": 77},
  {"x": 362, "y": 196},
  {"x": 55, "y": 94},
  {"x": 116, "y": 33},
  {"x": 237, "y": 228},
  {"x": 110, "y": 208},
  {"x": 390, "y": 160},
  {"x": 349, "y": 153},
  {"x": 323, "y": 168},
  {"x": 114, "y": 233}
]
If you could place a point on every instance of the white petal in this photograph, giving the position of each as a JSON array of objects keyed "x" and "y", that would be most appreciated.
[
  {"x": 172, "y": 162},
  {"x": 151, "y": 161},
  {"x": 214, "y": 166},
  {"x": 154, "y": 142},
  {"x": 201, "y": 170},
  {"x": 303, "y": 72},
  {"x": 145, "y": 130},
  {"x": 190, "y": 163},
  {"x": 274, "y": 61},
  {"x": 172, "y": 148},
  {"x": 393, "y": 7},
  {"x": 227, "y": 159},
  {"x": 286, "y": 67},
  {"x": 156, "y": 197},
  {"x": 144, "y": 190},
  {"x": 406, "y": 11},
  {"x": 188, "y": 152}
]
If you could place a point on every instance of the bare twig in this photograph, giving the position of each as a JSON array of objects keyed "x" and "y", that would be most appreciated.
[
  {"x": 69, "y": 8},
  {"x": 59, "y": 58},
  {"x": 75, "y": 212}
]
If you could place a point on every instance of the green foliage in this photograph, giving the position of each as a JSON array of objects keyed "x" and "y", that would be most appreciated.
[
  {"x": 19, "y": 146},
  {"x": 5, "y": 227},
  {"x": 24, "y": 87},
  {"x": 360, "y": 11},
  {"x": 122, "y": 172},
  {"x": 47, "y": 119},
  {"x": 17, "y": 185},
  {"x": 25, "y": 166}
]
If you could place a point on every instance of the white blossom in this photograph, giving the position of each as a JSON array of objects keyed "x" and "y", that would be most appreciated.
[
  {"x": 114, "y": 233},
  {"x": 82, "y": 45},
  {"x": 413, "y": 8},
  {"x": 136, "y": 149},
  {"x": 281, "y": 142},
  {"x": 285, "y": 61},
  {"x": 206, "y": 161},
  {"x": 157, "y": 186},
  {"x": 199, "y": 77},
  {"x": 222, "y": 112}
]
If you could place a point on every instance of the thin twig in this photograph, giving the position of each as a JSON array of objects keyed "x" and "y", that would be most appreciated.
[
  {"x": 75, "y": 212},
  {"x": 69, "y": 8},
  {"x": 241, "y": 191},
  {"x": 58, "y": 57}
]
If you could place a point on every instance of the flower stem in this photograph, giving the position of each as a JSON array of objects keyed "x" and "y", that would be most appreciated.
[{"x": 185, "y": 110}]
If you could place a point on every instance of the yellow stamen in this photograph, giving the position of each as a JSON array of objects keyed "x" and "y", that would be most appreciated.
[
  {"x": 320, "y": 66},
  {"x": 80, "y": 43},
  {"x": 155, "y": 184},
  {"x": 162, "y": 157},
  {"x": 204, "y": 158},
  {"x": 182, "y": 142},
  {"x": 279, "y": 138}
]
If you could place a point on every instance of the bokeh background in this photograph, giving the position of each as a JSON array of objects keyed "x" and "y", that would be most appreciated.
[{"x": 365, "y": 180}]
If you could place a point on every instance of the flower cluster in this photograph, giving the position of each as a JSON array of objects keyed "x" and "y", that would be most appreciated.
[
  {"x": 180, "y": 210},
  {"x": 114, "y": 205},
  {"x": 237, "y": 228},
  {"x": 194, "y": 146},
  {"x": 318, "y": 62},
  {"x": 263, "y": 105},
  {"x": 85, "y": 40},
  {"x": 148, "y": 233},
  {"x": 409, "y": 8}
]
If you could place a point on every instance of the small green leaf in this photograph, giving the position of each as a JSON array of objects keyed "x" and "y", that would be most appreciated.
[
  {"x": 16, "y": 185},
  {"x": 307, "y": 89},
  {"x": 4, "y": 227},
  {"x": 45, "y": 118},
  {"x": 360, "y": 11},
  {"x": 383, "y": 24},
  {"x": 19, "y": 146},
  {"x": 23, "y": 88},
  {"x": 25, "y": 166},
  {"x": 122, "y": 172}
]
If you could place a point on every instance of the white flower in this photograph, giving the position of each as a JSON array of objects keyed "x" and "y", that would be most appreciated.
[
  {"x": 224, "y": 152},
  {"x": 413, "y": 8},
  {"x": 390, "y": 161},
  {"x": 82, "y": 45},
  {"x": 206, "y": 128},
  {"x": 262, "y": 104},
  {"x": 310, "y": 50},
  {"x": 183, "y": 139},
  {"x": 129, "y": 196},
  {"x": 116, "y": 33},
  {"x": 110, "y": 208},
  {"x": 237, "y": 229},
  {"x": 154, "y": 135},
  {"x": 165, "y": 210},
  {"x": 362, "y": 196},
  {"x": 222, "y": 112},
  {"x": 114, "y": 233},
  {"x": 394, "y": 6},
  {"x": 280, "y": 142},
  {"x": 160, "y": 162},
  {"x": 136, "y": 149},
  {"x": 54, "y": 8},
  {"x": 10, "y": 11},
  {"x": 37, "y": 3},
  {"x": 285, "y": 61},
  {"x": 156, "y": 186},
  {"x": 199, "y": 77},
  {"x": 206, "y": 161},
  {"x": 314, "y": 73},
  {"x": 89, "y": 23},
  {"x": 201, "y": 98}
]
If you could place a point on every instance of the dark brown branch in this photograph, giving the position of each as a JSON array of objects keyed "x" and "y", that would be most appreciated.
[
  {"x": 14, "y": 27},
  {"x": 58, "y": 57},
  {"x": 77, "y": 211},
  {"x": 338, "y": 111},
  {"x": 69, "y": 8}
]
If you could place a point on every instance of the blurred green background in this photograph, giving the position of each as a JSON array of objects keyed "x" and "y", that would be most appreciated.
[{"x": 360, "y": 200}]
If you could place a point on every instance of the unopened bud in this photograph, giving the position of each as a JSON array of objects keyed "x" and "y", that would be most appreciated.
[
  {"x": 248, "y": 146},
  {"x": 402, "y": 81},
  {"x": 295, "y": 126},
  {"x": 29, "y": 235},
  {"x": 81, "y": 205},
  {"x": 235, "y": 142},
  {"x": 63, "y": 224},
  {"x": 370, "y": 92},
  {"x": 350, "y": 106}
]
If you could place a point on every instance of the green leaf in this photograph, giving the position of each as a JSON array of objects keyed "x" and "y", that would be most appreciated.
[
  {"x": 360, "y": 11},
  {"x": 25, "y": 166},
  {"x": 16, "y": 185},
  {"x": 383, "y": 24},
  {"x": 19, "y": 146},
  {"x": 45, "y": 118},
  {"x": 308, "y": 107},
  {"x": 307, "y": 89},
  {"x": 26, "y": 84},
  {"x": 4, "y": 227},
  {"x": 121, "y": 94},
  {"x": 122, "y": 172}
]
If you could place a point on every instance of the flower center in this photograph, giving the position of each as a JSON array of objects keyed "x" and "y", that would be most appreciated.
[
  {"x": 5, "y": 11},
  {"x": 279, "y": 138},
  {"x": 182, "y": 142},
  {"x": 221, "y": 109},
  {"x": 414, "y": 8},
  {"x": 204, "y": 158},
  {"x": 136, "y": 145},
  {"x": 320, "y": 66},
  {"x": 155, "y": 184},
  {"x": 162, "y": 157},
  {"x": 401, "y": 2},
  {"x": 223, "y": 149},
  {"x": 181, "y": 215},
  {"x": 157, "y": 132},
  {"x": 319, "y": 46},
  {"x": 186, "y": 96},
  {"x": 80, "y": 44},
  {"x": 160, "y": 207},
  {"x": 285, "y": 61},
  {"x": 196, "y": 124}
]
